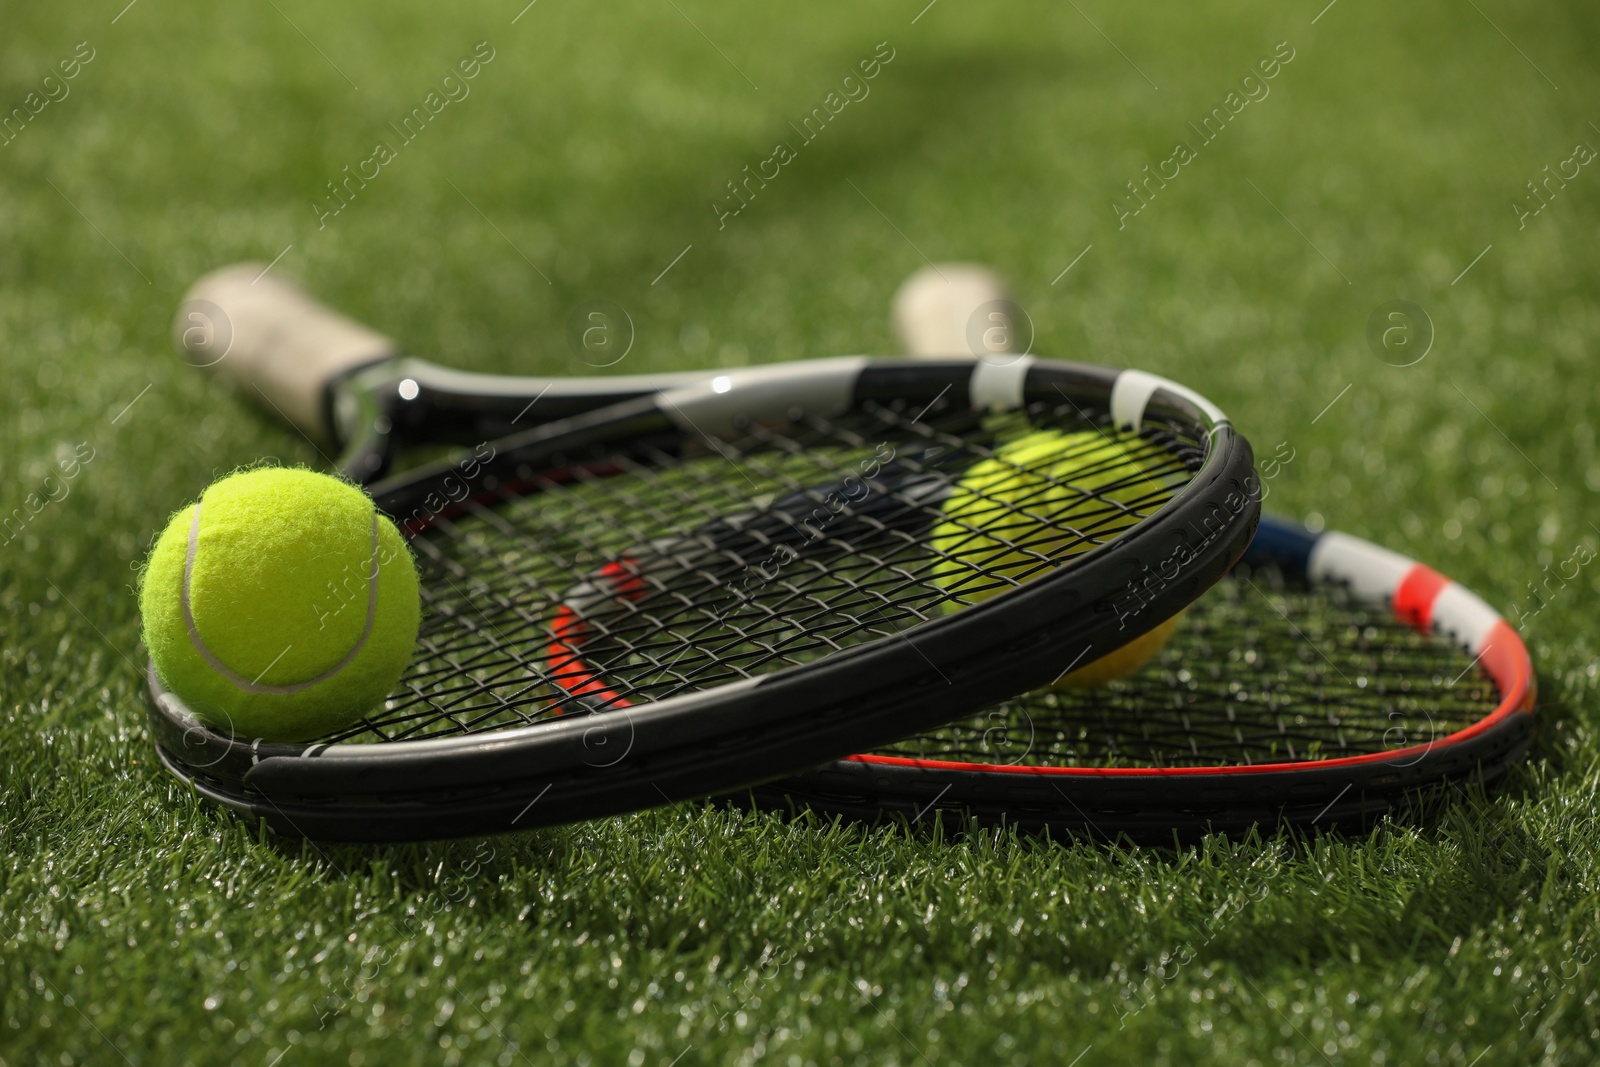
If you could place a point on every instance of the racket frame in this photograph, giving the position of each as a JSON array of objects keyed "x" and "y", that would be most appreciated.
[{"x": 1154, "y": 804}]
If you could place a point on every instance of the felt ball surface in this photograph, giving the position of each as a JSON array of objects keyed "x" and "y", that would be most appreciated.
[
  {"x": 1039, "y": 500},
  {"x": 282, "y": 605},
  {"x": 1120, "y": 663}
]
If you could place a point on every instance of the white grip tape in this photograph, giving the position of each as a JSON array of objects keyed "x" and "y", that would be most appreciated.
[
  {"x": 935, "y": 308},
  {"x": 268, "y": 334}
]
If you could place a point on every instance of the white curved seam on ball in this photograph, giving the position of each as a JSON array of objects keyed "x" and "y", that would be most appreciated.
[{"x": 238, "y": 680}]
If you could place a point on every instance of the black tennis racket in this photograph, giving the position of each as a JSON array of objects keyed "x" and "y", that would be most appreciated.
[
  {"x": 1324, "y": 682},
  {"x": 686, "y": 584}
]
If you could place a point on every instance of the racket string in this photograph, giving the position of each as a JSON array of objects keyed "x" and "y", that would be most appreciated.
[
  {"x": 1309, "y": 676},
  {"x": 625, "y": 579}
]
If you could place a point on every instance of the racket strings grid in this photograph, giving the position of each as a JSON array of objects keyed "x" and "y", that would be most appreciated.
[
  {"x": 1314, "y": 676},
  {"x": 1324, "y": 683},
  {"x": 697, "y": 579}
]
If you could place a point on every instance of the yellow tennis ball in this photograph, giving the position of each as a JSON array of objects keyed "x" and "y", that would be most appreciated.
[
  {"x": 1041, "y": 499},
  {"x": 1121, "y": 662},
  {"x": 1037, "y": 501},
  {"x": 281, "y": 606}
]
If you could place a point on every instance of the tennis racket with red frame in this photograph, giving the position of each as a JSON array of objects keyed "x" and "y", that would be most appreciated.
[{"x": 1326, "y": 681}]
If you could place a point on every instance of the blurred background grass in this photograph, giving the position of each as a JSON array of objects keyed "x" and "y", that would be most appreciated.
[{"x": 136, "y": 920}]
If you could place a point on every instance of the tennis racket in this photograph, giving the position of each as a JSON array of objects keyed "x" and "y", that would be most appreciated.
[
  {"x": 667, "y": 587},
  {"x": 1324, "y": 682}
]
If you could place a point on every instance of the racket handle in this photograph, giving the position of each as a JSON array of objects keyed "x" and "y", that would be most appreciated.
[
  {"x": 955, "y": 309},
  {"x": 274, "y": 340}
]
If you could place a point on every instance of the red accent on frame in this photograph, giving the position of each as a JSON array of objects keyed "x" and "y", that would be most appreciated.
[
  {"x": 1504, "y": 659},
  {"x": 1415, "y": 596}
]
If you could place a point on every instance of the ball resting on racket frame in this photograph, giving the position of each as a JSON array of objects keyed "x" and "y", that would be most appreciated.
[
  {"x": 1326, "y": 682},
  {"x": 740, "y": 638}
]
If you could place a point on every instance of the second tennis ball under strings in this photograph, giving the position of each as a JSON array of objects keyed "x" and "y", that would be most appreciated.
[{"x": 1039, "y": 500}]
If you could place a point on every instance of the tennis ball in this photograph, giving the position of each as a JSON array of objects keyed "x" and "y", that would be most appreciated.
[
  {"x": 1040, "y": 499},
  {"x": 1120, "y": 662},
  {"x": 281, "y": 606}
]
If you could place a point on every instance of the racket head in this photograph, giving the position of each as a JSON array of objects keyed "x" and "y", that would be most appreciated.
[
  {"x": 484, "y": 726},
  {"x": 1326, "y": 682}
]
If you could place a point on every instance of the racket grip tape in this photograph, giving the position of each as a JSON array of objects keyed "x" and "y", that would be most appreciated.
[
  {"x": 955, "y": 309},
  {"x": 283, "y": 347}
]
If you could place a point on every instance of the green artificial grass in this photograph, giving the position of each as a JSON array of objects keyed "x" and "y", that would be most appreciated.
[{"x": 139, "y": 924}]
